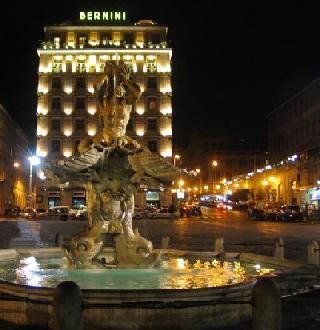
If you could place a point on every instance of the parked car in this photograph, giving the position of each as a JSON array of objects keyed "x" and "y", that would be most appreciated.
[
  {"x": 271, "y": 209},
  {"x": 28, "y": 212},
  {"x": 62, "y": 212},
  {"x": 73, "y": 212},
  {"x": 13, "y": 211},
  {"x": 78, "y": 212},
  {"x": 290, "y": 213},
  {"x": 41, "y": 212},
  {"x": 82, "y": 213}
]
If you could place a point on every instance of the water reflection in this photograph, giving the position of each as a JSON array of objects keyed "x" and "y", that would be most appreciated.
[{"x": 172, "y": 273}]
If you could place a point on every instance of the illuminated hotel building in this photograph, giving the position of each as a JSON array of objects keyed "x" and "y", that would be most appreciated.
[{"x": 72, "y": 57}]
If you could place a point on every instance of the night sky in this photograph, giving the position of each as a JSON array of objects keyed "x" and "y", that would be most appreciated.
[{"x": 232, "y": 62}]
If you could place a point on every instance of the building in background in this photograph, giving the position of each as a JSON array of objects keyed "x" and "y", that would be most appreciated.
[
  {"x": 14, "y": 167},
  {"x": 294, "y": 146},
  {"x": 218, "y": 161},
  {"x": 294, "y": 126},
  {"x": 71, "y": 58}
]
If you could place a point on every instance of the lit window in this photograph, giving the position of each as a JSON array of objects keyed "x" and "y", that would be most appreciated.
[
  {"x": 82, "y": 41},
  {"x": 151, "y": 64},
  {"x": 56, "y": 42},
  {"x": 106, "y": 39},
  {"x": 102, "y": 65},
  {"x": 152, "y": 104},
  {"x": 57, "y": 64},
  {"x": 81, "y": 66},
  {"x": 128, "y": 61}
]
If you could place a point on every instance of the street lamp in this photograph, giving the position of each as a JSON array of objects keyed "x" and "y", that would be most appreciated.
[
  {"x": 214, "y": 165},
  {"x": 176, "y": 158},
  {"x": 198, "y": 171},
  {"x": 34, "y": 161}
]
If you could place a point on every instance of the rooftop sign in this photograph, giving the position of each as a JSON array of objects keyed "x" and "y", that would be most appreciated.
[{"x": 103, "y": 16}]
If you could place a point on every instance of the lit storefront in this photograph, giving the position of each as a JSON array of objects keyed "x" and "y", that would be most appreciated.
[{"x": 313, "y": 197}]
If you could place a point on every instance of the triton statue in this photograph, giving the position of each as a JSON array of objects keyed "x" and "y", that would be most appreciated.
[{"x": 111, "y": 167}]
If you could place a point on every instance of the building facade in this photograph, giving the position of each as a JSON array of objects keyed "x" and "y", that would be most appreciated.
[
  {"x": 218, "y": 161},
  {"x": 71, "y": 59},
  {"x": 14, "y": 173},
  {"x": 293, "y": 173},
  {"x": 294, "y": 126}
]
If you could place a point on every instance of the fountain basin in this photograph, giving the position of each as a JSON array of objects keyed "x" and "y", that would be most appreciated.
[
  {"x": 201, "y": 308},
  {"x": 133, "y": 309}
]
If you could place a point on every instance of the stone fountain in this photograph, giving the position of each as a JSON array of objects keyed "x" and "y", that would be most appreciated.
[{"x": 111, "y": 167}]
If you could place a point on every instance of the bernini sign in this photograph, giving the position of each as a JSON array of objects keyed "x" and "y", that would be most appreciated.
[{"x": 103, "y": 15}]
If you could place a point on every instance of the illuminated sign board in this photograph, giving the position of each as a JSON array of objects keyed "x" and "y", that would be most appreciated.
[{"x": 103, "y": 16}]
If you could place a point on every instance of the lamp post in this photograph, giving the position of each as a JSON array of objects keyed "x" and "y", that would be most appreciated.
[
  {"x": 198, "y": 171},
  {"x": 34, "y": 161},
  {"x": 214, "y": 165},
  {"x": 176, "y": 158}
]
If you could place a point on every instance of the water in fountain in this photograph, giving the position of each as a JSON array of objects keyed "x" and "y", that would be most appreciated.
[{"x": 170, "y": 273}]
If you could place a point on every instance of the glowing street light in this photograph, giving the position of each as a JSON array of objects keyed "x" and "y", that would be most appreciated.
[
  {"x": 181, "y": 183},
  {"x": 176, "y": 158},
  {"x": 34, "y": 161},
  {"x": 198, "y": 171},
  {"x": 214, "y": 165}
]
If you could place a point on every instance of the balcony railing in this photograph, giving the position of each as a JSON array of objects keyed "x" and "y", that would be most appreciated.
[{"x": 102, "y": 44}]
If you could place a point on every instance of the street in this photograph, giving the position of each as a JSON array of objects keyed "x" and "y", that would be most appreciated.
[
  {"x": 194, "y": 233},
  {"x": 198, "y": 233}
]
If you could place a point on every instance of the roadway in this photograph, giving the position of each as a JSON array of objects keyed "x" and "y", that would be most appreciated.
[
  {"x": 239, "y": 233},
  {"x": 193, "y": 233}
]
